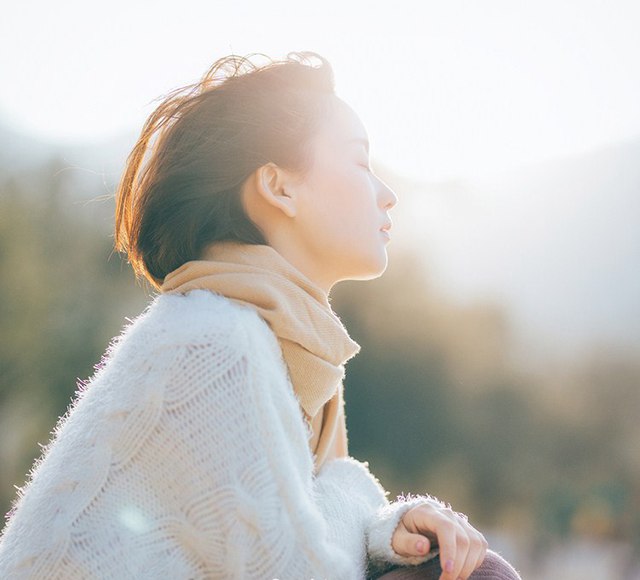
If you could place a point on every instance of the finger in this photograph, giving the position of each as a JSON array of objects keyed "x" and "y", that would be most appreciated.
[
  {"x": 476, "y": 554},
  {"x": 484, "y": 546},
  {"x": 463, "y": 544},
  {"x": 445, "y": 530},
  {"x": 471, "y": 561},
  {"x": 409, "y": 543},
  {"x": 452, "y": 539},
  {"x": 419, "y": 544}
]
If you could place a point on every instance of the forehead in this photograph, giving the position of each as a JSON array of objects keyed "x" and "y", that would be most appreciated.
[{"x": 343, "y": 124}]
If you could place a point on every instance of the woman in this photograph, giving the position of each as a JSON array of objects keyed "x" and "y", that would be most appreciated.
[{"x": 211, "y": 443}]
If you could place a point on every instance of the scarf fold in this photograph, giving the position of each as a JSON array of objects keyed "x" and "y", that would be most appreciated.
[{"x": 314, "y": 342}]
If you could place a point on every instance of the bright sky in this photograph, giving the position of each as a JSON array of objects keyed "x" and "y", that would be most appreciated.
[{"x": 446, "y": 89}]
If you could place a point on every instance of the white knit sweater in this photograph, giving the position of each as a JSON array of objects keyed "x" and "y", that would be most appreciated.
[{"x": 186, "y": 456}]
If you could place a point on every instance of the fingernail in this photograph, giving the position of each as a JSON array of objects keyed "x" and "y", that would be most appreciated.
[
  {"x": 448, "y": 566},
  {"x": 420, "y": 546}
]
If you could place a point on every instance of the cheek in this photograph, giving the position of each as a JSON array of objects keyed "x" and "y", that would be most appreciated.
[
  {"x": 342, "y": 211},
  {"x": 345, "y": 207},
  {"x": 347, "y": 225},
  {"x": 329, "y": 200}
]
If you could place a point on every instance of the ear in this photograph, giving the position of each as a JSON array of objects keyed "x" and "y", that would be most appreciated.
[{"x": 275, "y": 187}]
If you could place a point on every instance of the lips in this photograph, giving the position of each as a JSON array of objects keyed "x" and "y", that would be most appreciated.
[{"x": 386, "y": 227}]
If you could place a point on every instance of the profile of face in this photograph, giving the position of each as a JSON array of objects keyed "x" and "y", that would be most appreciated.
[{"x": 328, "y": 221}]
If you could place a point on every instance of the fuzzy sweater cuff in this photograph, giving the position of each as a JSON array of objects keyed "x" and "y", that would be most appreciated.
[{"x": 382, "y": 528}]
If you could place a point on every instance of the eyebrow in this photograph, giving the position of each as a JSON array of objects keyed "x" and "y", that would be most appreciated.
[{"x": 359, "y": 140}]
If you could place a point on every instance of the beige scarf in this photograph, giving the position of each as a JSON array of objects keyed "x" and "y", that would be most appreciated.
[{"x": 314, "y": 342}]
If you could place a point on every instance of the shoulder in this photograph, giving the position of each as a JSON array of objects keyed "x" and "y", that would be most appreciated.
[
  {"x": 196, "y": 318},
  {"x": 180, "y": 346},
  {"x": 179, "y": 318}
]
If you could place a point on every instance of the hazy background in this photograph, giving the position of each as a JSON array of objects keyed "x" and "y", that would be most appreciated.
[{"x": 500, "y": 365}]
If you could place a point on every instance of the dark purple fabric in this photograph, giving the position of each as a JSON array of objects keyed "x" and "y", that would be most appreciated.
[{"x": 493, "y": 567}]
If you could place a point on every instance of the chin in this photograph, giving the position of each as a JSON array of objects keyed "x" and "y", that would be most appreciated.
[{"x": 372, "y": 266}]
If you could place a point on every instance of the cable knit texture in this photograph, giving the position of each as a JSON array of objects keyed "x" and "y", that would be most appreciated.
[{"x": 186, "y": 456}]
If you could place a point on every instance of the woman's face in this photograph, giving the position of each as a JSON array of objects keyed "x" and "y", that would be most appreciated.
[{"x": 341, "y": 204}]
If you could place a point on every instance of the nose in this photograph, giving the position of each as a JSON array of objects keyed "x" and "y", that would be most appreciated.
[{"x": 387, "y": 196}]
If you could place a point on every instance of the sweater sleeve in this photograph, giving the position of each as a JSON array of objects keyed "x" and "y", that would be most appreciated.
[
  {"x": 254, "y": 513},
  {"x": 350, "y": 495}
]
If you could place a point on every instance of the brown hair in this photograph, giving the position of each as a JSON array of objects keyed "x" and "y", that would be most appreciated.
[{"x": 209, "y": 137}]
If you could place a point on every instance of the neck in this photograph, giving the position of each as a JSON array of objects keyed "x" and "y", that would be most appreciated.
[{"x": 304, "y": 264}]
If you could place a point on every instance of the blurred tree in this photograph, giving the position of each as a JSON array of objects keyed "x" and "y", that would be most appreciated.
[{"x": 61, "y": 300}]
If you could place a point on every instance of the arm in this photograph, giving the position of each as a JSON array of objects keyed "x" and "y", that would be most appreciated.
[
  {"x": 276, "y": 518},
  {"x": 243, "y": 433},
  {"x": 349, "y": 494},
  {"x": 279, "y": 518},
  {"x": 368, "y": 498}
]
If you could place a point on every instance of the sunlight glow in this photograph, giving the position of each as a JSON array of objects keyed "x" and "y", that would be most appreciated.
[{"x": 446, "y": 89}]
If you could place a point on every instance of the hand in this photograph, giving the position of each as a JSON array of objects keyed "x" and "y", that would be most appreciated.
[{"x": 430, "y": 525}]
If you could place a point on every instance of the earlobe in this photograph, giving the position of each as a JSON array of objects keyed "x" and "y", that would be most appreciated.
[{"x": 271, "y": 187}]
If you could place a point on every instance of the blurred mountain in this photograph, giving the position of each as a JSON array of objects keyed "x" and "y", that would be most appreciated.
[
  {"x": 20, "y": 152},
  {"x": 558, "y": 243},
  {"x": 93, "y": 167}
]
